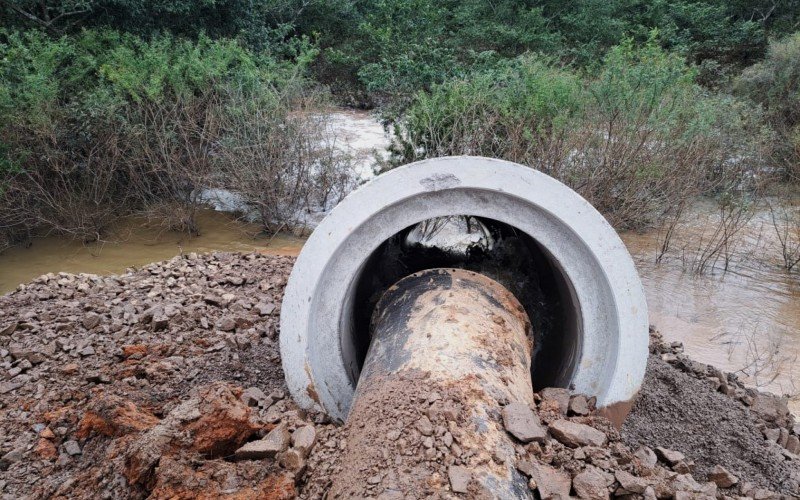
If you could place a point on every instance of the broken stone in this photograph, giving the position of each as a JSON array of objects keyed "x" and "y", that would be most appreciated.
[
  {"x": 671, "y": 457},
  {"x": 91, "y": 320},
  {"x": 424, "y": 426},
  {"x": 275, "y": 442},
  {"x": 11, "y": 457},
  {"x": 292, "y": 459},
  {"x": 459, "y": 478},
  {"x": 303, "y": 438},
  {"x": 6, "y": 387},
  {"x": 265, "y": 309},
  {"x": 87, "y": 351},
  {"x": 160, "y": 322},
  {"x": 226, "y": 324},
  {"x": 9, "y": 329},
  {"x": 520, "y": 421},
  {"x": 722, "y": 477},
  {"x": 113, "y": 416},
  {"x": 71, "y": 448},
  {"x": 784, "y": 437},
  {"x": 45, "y": 449},
  {"x": 793, "y": 445},
  {"x": 252, "y": 396},
  {"x": 573, "y": 434},
  {"x": 579, "y": 405},
  {"x": 772, "y": 435},
  {"x": 592, "y": 483},
  {"x": 683, "y": 467},
  {"x": 557, "y": 395},
  {"x": 772, "y": 408},
  {"x": 551, "y": 482},
  {"x": 630, "y": 483}
]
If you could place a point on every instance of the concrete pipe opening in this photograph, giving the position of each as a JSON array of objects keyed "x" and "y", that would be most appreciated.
[{"x": 550, "y": 248}]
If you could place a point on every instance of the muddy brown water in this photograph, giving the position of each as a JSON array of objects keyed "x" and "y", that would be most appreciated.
[
  {"x": 132, "y": 243},
  {"x": 746, "y": 319}
]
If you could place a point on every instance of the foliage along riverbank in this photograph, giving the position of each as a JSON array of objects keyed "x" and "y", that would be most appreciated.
[{"x": 118, "y": 108}]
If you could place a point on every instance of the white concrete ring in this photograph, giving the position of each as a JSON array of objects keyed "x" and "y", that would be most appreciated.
[{"x": 611, "y": 324}]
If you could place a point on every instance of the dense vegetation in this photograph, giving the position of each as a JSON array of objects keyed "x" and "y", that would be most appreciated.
[{"x": 111, "y": 107}]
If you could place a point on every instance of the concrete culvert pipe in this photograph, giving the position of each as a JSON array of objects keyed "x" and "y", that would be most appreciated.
[{"x": 538, "y": 238}]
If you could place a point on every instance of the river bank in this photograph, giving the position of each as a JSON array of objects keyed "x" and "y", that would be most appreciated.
[{"x": 147, "y": 383}]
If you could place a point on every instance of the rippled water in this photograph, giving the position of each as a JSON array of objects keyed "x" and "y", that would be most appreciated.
[{"x": 747, "y": 318}]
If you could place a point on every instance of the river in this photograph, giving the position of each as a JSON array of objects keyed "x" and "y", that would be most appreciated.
[{"x": 745, "y": 319}]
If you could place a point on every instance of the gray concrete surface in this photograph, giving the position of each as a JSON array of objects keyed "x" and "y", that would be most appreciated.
[{"x": 609, "y": 328}]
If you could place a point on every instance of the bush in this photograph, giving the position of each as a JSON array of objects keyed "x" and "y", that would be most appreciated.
[
  {"x": 775, "y": 84},
  {"x": 103, "y": 124},
  {"x": 637, "y": 139}
]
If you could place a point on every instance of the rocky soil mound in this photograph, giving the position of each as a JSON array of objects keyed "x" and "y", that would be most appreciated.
[{"x": 165, "y": 382}]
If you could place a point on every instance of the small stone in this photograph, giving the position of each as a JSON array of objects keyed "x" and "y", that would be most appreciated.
[
  {"x": 46, "y": 449},
  {"x": 70, "y": 369},
  {"x": 722, "y": 477},
  {"x": 226, "y": 324},
  {"x": 252, "y": 396},
  {"x": 551, "y": 482},
  {"x": 573, "y": 434},
  {"x": 304, "y": 438},
  {"x": 630, "y": 483},
  {"x": 160, "y": 322},
  {"x": 793, "y": 445},
  {"x": 670, "y": 457},
  {"x": 376, "y": 479},
  {"x": 10, "y": 458},
  {"x": 579, "y": 405},
  {"x": 772, "y": 408},
  {"x": 265, "y": 309},
  {"x": 292, "y": 459},
  {"x": 520, "y": 421},
  {"x": 47, "y": 433},
  {"x": 591, "y": 483},
  {"x": 72, "y": 448},
  {"x": 6, "y": 387},
  {"x": 784, "y": 437},
  {"x": 683, "y": 467},
  {"x": 424, "y": 426},
  {"x": 87, "y": 351},
  {"x": 459, "y": 478},
  {"x": 772, "y": 435},
  {"x": 275, "y": 442},
  {"x": 558, "y": 395},
  {"x": 91, "y": 320},
  {"x": 9, "y": 329}
]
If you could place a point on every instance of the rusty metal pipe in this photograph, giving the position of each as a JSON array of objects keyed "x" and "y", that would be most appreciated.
[{"x": 449, "y": 348}]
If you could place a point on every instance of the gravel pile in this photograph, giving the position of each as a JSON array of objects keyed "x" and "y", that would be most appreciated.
[{"x": 165, "y": 382}]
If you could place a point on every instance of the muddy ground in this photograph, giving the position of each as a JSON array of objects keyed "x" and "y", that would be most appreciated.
[{"x": 165, "y": 382}]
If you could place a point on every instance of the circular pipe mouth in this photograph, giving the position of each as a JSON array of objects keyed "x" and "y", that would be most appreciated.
[
  {"x": 488, "y": 247},
  {"x": 585, "y": 273}
]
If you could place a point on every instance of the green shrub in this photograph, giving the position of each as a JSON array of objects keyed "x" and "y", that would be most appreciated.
[
  {"x": 634, "y": 138},
  {"x": 775, "y": 84},
  {"x": 100, "y": 124}
]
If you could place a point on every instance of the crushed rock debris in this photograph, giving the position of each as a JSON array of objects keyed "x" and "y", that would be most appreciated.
[{"x": 165, "y": 382}]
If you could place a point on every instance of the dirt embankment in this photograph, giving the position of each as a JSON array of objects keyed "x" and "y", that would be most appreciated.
[{"x": 166, "y": 382}]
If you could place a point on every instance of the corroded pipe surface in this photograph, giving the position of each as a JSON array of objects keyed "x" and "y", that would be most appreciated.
[{"x": 449, "y": 347}]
